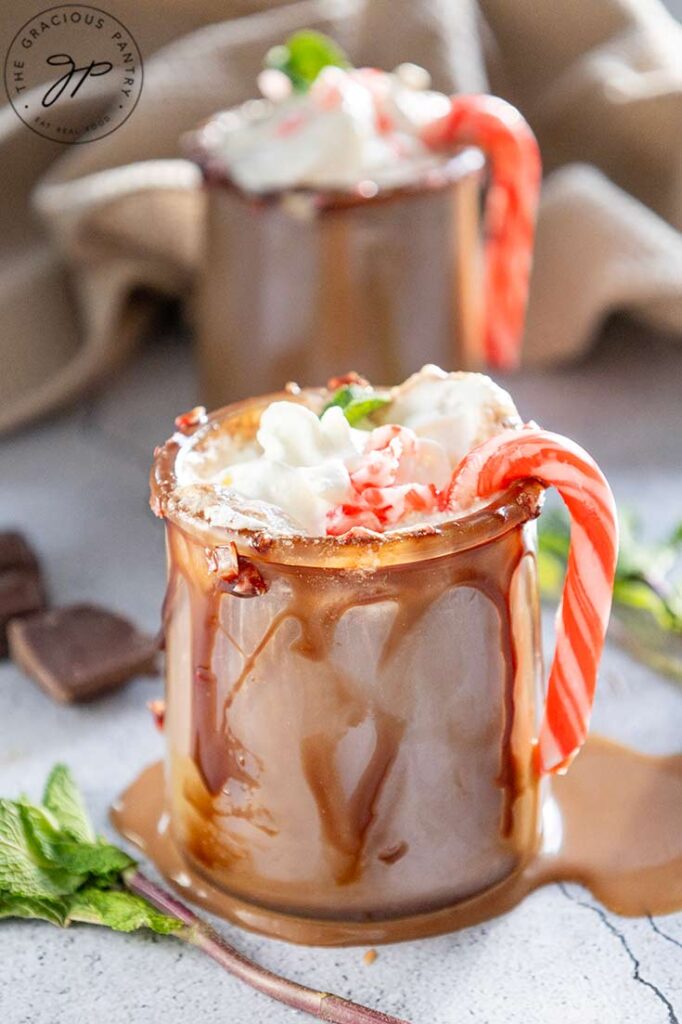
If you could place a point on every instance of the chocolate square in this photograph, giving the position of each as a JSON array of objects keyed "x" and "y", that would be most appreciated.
[
  {"x": 21, "y": 588},
  {"x": 21, "y": 593},
  {"x": 16, "y": 552},
  {"x": 77, "y": 652}
]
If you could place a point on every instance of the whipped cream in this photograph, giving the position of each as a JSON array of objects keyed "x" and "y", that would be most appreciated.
[
  {"x": 353, "y": 127},
  {"x": 320, "y": 476},
  {"x": 457, "y": 410}
]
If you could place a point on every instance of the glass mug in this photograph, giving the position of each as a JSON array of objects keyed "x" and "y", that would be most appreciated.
[
  {"x": 302, "y": 284},
  {"x": 350, "y": 722}
]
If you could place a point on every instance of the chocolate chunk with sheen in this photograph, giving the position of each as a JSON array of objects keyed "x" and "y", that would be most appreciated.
[{"x": 78, "y": 652}]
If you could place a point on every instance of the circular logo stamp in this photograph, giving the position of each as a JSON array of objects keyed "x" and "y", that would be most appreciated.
[{"x": 73, "y": 73}]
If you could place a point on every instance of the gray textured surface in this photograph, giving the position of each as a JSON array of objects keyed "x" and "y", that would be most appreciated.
[{"x": 78, "y": 486}]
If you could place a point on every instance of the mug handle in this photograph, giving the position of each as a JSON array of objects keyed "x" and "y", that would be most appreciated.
[
  {"x": 583, "y": 613},
  {"x": 498, "y": 129}
]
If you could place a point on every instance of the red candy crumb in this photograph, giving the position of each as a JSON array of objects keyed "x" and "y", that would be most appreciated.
[
  {"x": 158, "y": 710},
  {"x": 187, "y": 421},
  {"x": 247, "y": 582},
  {"x": 238, "y": 576},
  {"x": 334, "y": 383},
  {"x": 382, "y": 498}
]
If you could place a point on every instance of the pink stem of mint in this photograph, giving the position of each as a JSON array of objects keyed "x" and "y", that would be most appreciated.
[{"x": 200, "y": 934}]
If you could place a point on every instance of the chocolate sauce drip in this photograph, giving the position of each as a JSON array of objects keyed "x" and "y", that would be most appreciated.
[
  {"x": 319, "y": 599},
  {"x": 213, "y": 749},
  {"x": 346, "y": 820},
  {"x": 217, "y": 752}
]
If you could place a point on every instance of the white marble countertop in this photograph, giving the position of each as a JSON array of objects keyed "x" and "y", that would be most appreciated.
[{"x": 78, "y": 486}]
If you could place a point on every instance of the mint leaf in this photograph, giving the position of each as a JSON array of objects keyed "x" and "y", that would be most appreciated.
[
  {"x": 122, "y": 911},
  {"x": 303, "y": 56},
  {"x": 360, "y": 408},
  {"x": 357, "y": 403},
  {"x": 53, "y": 910},
  {"x": 101, "y": 859},
  {"x": 342, "y": 398},
  {"x": 62, "y": 832},
  {"x": 63, "y": 799},
  {"x": 23, "y": 871},
  {"x": 56, "y": 848},
  {"x": 53, "y": 867}
]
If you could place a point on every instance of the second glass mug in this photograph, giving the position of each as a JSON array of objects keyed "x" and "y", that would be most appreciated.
[
  {"x": 304, "y": 284},
  {"x": 350, "y": 724}
]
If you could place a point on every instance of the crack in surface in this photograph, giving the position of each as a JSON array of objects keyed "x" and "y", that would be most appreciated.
[
  {"x": 604, "y": 918},
  {"x": 664, "y": 935}
]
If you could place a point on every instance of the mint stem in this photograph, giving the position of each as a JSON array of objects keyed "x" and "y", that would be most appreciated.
[{"x": 200, "y": 934}]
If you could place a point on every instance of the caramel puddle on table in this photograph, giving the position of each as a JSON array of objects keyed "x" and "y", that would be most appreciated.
[{"x": 613, "y": 823}]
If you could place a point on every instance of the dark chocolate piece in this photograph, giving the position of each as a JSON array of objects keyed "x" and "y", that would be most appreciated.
[
  {"x": 16, "y": 552},
  {"x": 21, "y": 593},
  {"x": 21, "y": 588},
  {"x": 76, "y": 653}
]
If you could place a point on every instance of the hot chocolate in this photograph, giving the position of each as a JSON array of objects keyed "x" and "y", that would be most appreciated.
[
  {"x": 356, "y": 741},
  {"x": 355, "y": 725}
]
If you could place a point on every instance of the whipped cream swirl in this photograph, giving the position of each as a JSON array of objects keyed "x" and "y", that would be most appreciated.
[{"x": 357, "y": 127}]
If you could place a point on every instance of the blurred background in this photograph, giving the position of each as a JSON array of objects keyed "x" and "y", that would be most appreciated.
[{"x": 100, "y": 238}]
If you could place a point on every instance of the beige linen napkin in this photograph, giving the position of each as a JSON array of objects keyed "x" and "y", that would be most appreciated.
[{"x": 88, "y": 233}]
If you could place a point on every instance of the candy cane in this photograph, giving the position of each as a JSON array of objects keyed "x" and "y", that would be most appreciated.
[
  {"x": 514, "y": 158},
  {"x": 586, "y": 601}
]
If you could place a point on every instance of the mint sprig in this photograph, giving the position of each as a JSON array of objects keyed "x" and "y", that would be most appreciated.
[
  {"x": 54, "y": 868},
  {"x": 303, "y": 56},
  {"x": 357, "y": 402},
  {"x": 647, "y": 603},
  {"x": 62, "y": 797}
]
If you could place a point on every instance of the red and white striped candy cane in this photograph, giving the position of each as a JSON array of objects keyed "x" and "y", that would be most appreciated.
[
  {"x": 586, "y": 601},
  {"x": 501, "y": 132}
]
